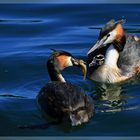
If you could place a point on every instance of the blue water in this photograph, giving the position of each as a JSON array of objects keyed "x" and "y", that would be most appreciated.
[{"x": 27, "y": 32}]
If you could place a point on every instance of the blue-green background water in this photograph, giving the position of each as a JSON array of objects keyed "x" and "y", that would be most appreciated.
[{"x": 27, "y": 32}]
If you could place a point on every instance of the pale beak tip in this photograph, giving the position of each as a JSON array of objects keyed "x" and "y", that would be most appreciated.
[{"x": 88, "y": 53}]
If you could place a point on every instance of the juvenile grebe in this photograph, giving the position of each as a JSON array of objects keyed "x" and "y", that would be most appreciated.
[
  {"x": 119, "y": 52},
  {"x": 61, "y": 100}
]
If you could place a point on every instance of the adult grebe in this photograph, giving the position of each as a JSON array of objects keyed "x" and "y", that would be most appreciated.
[
  {"x": 62, "y": 100},
  {"x": 119, "y": 54}
]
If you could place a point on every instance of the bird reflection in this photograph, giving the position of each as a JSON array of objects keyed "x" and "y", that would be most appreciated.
[{"x": 110, "y": 97}]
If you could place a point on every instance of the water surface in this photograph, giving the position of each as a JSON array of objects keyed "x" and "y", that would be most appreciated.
[{"x": 27, "y": 32}]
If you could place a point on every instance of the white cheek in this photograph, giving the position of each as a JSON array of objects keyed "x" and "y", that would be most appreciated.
[
  {"x": 111, "y": 38},
  {"x": 69, "y": 62}
]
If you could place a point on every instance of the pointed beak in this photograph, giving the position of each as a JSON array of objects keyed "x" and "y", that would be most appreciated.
[
  {"x": 99, "y": 44},
  {"x": 81, "y": 64}
]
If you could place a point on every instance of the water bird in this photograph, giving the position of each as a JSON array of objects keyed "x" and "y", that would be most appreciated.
[
  {"x": 61, "y": 100},
  {"x": 115, "y": 57}
]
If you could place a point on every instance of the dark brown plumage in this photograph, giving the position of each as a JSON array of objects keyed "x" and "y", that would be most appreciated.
[
  {"x": 129, "y": 58},
  {"x": 62, "y": 100},
  {"x": 66, "y": 102}
]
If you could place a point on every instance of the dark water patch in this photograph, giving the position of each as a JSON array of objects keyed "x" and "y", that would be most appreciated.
[
  {"x": 23, "y": 30},
  {"x": 128, "y": 30},
  {"x": 10, "y": 95},
  {"x": 20, "y": 21},
  {"x": 137, "y": 30}
]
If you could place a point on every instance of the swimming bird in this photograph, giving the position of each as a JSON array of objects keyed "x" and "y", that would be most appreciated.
[
  {"x": 62, "y": 100},
  {"x": 116, "y": 55}
]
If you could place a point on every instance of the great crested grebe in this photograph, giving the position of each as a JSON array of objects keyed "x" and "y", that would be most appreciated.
[
  {"x": 116, "y": 55},
  {"x": 62, "y": 100}
]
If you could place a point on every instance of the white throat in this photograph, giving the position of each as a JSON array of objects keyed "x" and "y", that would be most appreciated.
[
  {"x": 111, "y": 56},
  {"x": 61, "y": 78}
]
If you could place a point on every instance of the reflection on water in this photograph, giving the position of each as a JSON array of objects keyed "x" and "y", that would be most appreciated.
[{"x": 113, "y": 97}]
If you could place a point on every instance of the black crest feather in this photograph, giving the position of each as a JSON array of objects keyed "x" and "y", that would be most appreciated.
[{"x": 110, "y": 26}]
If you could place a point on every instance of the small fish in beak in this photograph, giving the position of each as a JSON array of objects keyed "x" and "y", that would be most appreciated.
[
  {"x": 80, "y": 63},
  {"x": 84, "y": 67}
]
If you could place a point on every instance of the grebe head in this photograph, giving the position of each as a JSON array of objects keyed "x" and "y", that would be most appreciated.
[
  {"x": 59, "y": 60},
  {"x": 111, "y": 33}
]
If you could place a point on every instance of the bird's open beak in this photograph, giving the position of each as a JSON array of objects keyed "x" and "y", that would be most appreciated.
[
  {"x": 82, "y": 65},
  {"x": 99, "y": 44}
]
